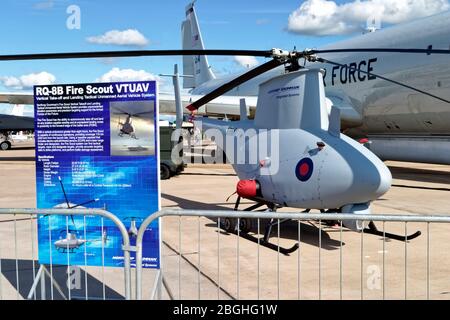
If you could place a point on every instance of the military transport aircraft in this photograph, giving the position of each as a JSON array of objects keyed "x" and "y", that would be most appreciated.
[{"x": 401, "y": 124}]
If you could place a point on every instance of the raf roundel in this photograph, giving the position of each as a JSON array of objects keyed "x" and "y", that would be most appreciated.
[{"x": 304, "y": 169}]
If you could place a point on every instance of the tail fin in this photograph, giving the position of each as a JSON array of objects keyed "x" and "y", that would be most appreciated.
[
  {"x": 18, "y": 110},
  {"x": 192, "y": 39}
]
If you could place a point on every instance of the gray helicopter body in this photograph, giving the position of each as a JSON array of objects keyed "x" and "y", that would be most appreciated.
[
  {"x": 309, "y": 163},
  {"x": 70, "y": 242}
]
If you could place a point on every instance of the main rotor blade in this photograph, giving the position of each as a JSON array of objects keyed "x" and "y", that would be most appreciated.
[
  {"x": 384, "y": 78},
  {"x": 134, "y": 53},
  {"x": 212, "y": 52},
  {"x": 64, "y": 192},
  {"x": 85, "y": 203},
  {"x": 120, "y": 111},
  {"x": 236, "y": 82},
  {"x": 427, "y": 51},
  {"x": 141, "y": 113}
]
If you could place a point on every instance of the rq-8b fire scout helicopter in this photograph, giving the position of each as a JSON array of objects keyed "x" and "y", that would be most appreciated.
[
  {"x": 314, "y": 165},
  {"x": 309, "y": 163},
  {"x": 126, "y": 128}
]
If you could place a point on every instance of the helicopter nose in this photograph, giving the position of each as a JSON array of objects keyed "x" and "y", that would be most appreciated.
[
  {"x": 375, "y": 180},
  {"x": 371, "y": 180},
  {"x": 385, "y": 180}
]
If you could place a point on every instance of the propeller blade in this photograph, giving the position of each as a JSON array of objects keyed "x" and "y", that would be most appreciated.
[
  {"x": 384, "y": 78},
  {"x": 427, "y": 51},
  {"x": 135, "y": 53},
  {"x": 236, "y": 82}
]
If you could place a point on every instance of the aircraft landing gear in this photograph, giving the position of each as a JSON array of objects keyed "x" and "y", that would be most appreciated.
[
  {"x": 245, "y": 226},
  {"x": 230, "y": 225},
  {"x": 372, "y": 229}
]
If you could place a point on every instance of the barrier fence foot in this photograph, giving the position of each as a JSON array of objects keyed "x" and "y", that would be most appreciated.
[
  {"x": 40, "y": 277},
  {"x": 160, "y": 282}
]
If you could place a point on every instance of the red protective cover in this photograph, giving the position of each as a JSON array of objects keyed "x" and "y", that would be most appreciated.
[{"x": 247, "y": 188}]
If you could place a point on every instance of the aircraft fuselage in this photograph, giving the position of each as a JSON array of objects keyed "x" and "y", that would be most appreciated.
[{"x": 395, "y": 118}]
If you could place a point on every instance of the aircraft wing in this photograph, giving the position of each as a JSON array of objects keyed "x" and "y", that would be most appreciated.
[
  {"x": 15, "y": 122},
  {"x": 229, "y": 106},
  {"x": 224, "y": 106},
  {"x": 17, "y": 97},
  {"x": 9, "y": 122}
]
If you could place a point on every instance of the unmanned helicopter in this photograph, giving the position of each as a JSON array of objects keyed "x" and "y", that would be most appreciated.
[
  {"x": 126, "y": 128},
  {"x": 68, "y": 239},
  {"x": 318, "y": 166}
]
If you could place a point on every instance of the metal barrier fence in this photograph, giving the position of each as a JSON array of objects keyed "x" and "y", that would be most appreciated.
[
  {"x": 39, "y": 276},
  {"x": 227, "y": 272},
  {"x": 219, "y": 216}
]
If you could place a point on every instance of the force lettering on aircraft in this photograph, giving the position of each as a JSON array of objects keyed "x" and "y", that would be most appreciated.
[{"x": 350, "y": 73}]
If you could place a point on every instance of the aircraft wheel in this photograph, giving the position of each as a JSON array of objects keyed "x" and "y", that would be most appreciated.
[
  {"x": 5, "y": 145},
  {"x": 245, "y": 225},
  {"x": 229, "y": 224},
  {"x": 165, "y": 172}
]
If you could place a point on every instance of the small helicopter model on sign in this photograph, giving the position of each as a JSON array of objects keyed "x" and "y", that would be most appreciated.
[
  {"x": 69, "y": 240},
  {"x": 127, "y": 128}
]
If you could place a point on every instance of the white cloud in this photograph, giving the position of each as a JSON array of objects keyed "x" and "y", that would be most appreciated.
[
  {"x": 246, "y": 61},
  {"x": 261, "y": 22},
  {"x": 44, "y": 5},
  {"x": 117, "y": 75},
  {"x": 322, "y": 17},
  {"x": 108, "y": 61},
  {"x": 28, "y": 81},
  {"x": 130, "y": 37}
]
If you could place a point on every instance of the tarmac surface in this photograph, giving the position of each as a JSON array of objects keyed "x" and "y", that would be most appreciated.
[{"x": 231, "y": 267}]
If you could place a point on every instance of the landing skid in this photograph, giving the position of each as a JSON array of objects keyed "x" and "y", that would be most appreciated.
[
  {"x": 372, "y": 229},
  {"x": 61, "y": 250},
  {"x": 267, "y": 244},
  {"x": 230, "y": 225}
]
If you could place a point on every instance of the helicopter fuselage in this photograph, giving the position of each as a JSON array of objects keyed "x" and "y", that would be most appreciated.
[{"x": 308, "y": 162}]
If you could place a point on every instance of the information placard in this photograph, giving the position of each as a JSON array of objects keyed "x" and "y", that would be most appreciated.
[{"x": 96, "y": 147}]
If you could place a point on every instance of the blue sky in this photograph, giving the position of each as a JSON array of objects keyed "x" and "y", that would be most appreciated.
[{"x": 32, "y": 26}]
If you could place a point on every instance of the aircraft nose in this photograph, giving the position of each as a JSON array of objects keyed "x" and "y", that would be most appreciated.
[
  {"x": 376, "y": 180},
  {"x": 371, "y": 181},
  {"x": 385, "y": 180}
]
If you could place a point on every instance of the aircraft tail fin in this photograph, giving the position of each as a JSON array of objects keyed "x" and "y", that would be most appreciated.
[
  {"x": 18, "y": 110},
  {"x": 197, "y": 66}
]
